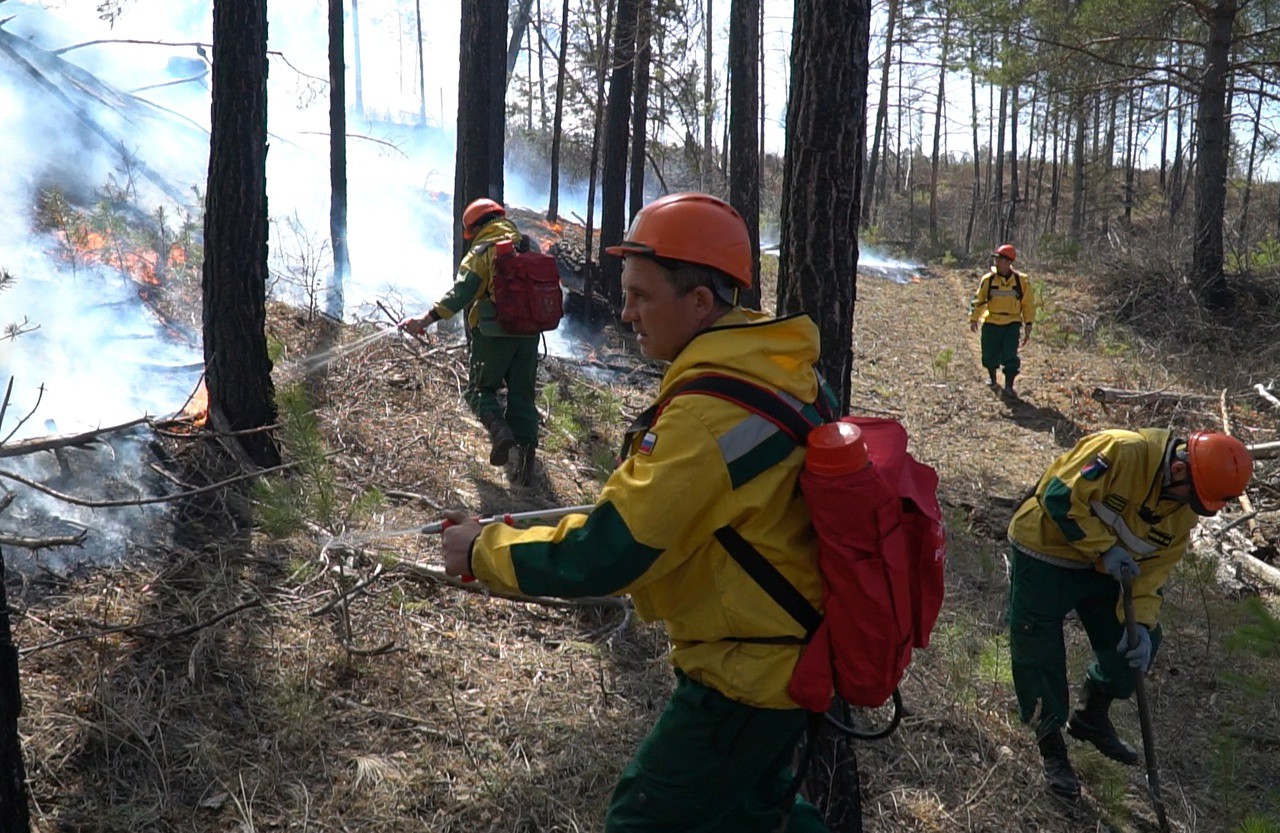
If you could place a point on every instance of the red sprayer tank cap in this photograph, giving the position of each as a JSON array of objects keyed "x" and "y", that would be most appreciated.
[{"x": 835, "y": 449}]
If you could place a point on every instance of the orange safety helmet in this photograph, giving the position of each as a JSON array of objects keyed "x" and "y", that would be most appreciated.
[
  {"x": 694, "y": 228},
  {"x": 476, "y": 211},
  {"x": 1007, "y": 251},
  {"x": 1220, "y": 468}
]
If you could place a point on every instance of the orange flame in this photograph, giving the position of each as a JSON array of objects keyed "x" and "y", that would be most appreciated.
[{"x": 196, "y": 411}]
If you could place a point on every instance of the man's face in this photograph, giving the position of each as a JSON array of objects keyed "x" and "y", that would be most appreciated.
[
  {"x": 1003, "y": 265},
  {"x": 664, "y": 320}
]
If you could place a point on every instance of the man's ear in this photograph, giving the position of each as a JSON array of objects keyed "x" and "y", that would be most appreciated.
[
  {"x": 704, "y": 300},
  {"x": 1178, "y": 470}
]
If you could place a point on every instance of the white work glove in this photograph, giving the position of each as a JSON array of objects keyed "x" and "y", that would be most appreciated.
[
  {"x": 1119, "y": 564},
  {"x": 1139, "y": 656}
]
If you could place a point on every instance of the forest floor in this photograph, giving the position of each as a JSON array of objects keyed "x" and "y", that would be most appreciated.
[{"x": 314, "y": 670}]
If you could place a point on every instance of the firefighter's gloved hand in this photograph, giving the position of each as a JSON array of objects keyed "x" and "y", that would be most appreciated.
[
  {"x": 973, "y": 326},
  {"x": 413, "y": 326},
  {"x": 1139, "y": 656},
  {"x": 1119, "y": 564}
]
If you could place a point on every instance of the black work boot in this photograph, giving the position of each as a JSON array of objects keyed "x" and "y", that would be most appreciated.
[
  {"x": 522, "y": 465},
  {"x": 1092, "y": 724},
  {"x": 1008, "y": 383},
  {"x": 991, "y": 372},
  {"x": 501, "y": 439},
  {"x": 1058, "y": 773}
]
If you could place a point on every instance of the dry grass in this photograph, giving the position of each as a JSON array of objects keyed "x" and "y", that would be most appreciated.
[{"x": 242, "y": 682}]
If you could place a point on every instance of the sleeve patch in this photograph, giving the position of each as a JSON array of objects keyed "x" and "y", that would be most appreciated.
[
  {"x": 647, "y": 443},
  {"x": 1095, "y": 468}
]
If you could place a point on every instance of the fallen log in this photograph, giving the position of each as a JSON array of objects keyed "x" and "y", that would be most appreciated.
[
  {"x": 64, "y": 441},
  {"x": 1116, "y": 396},
  {"x": 33, "y": 544},
  {"x": 1265, "y": 393}
]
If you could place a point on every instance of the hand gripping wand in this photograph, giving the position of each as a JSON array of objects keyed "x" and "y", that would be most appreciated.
[{"x": 510, "y": 519}]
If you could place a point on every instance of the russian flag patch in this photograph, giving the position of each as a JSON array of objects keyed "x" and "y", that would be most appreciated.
[
  {"x": 1095, "y": 468},
  {"x": 647, "y": 443}
]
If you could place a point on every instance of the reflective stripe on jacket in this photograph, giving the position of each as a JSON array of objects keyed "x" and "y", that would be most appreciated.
[
  {"x": 997, "y": 301},
  {"x": 1103, "y": 492},
  {"x": 703, "y": 464},
  {"x": 474, "y": 281}
]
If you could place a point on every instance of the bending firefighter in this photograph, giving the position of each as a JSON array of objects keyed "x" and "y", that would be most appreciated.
[
  {"x": 1118, "y": 507},
  {"x": 1004, "y": 305},
  {"x": 697, "y": 467},
  {"x": 497, "y": 358}
]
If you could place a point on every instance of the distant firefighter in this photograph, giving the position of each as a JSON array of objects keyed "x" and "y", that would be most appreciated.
[{"x": 1003, "y": 306}]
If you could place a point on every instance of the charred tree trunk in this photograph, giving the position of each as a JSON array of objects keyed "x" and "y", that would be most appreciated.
[
  {"x": 640, "y": 106},
  {"x": 822, "y": 178},
  {"x": 337, "y": 160},
  {"x": 237, "y": 368},
  {"x": 1077, "y": 172},
  {"x": 518, "y": 28},
  {"x": 882, "y": 115},
  {"x": 482, "y": 84},
  {"x": 422, "y": 67},
  {"x": 557, "y": 126},
  {"x": 1242, "y": 228},
  {"x": 935, "y": 155},
  {"x": 1011, "y": 214},
  {"x": 613, "y": 174},
  {"x": 998, "y": 229},
  {"x": 1207, "y": 278},
  {"x": 15, "y": 813},
  {"x": 708, "y": 100},
  {"x": 744, "y": 152},
  {"x": 976, "y": 196}
]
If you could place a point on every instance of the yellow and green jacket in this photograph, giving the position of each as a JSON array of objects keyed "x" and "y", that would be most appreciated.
[
  {"x": 997, "y": 300},
  {"x": 704, "y": 463},
  {"x": 474, "y": 281},
  {"x": 1104, "y": 492}
]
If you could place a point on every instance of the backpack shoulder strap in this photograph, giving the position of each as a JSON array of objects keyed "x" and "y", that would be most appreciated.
[
  {"x": 771, "y": 406},
  {"x": 752, "y": 397},
  {"x": 770, "y": 579}
]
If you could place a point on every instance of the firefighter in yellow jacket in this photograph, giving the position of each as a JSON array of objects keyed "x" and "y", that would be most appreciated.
[
  {"x": 719, "y": 757},
  {"x": 1118, "y": 507},
  {"x": 1005, "y": 308},
  {"x": 498, "y": 359}
]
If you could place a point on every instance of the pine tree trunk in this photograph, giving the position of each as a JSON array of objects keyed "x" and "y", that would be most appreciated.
[
  {"x": 15, "y": 813},
  {"x": 337, "y": 161},
  {"x": 822, "y": 179},
  {"x": 1207, "y": 277},
  {"x": 557, "y": 125},
  {"x": 934, "y": 157},
  {"x": 744, "y": 153},
  {"x": 613, "y": 174},
  {"x": 640, "y": 106},
  {"x": 882, "y": 115},
  {"x": 1077, "y": 173},
  {"x": 237, "y": 368},
  {"x": 482, "y": 84}
]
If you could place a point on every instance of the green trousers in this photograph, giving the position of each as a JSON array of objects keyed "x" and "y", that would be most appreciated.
[
  {"x": 1040, "y": 596},
  {"x": 510, "y": 361},
  {"x": 1000, "y": 346},
  {"x": 713, "y": 765}
]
